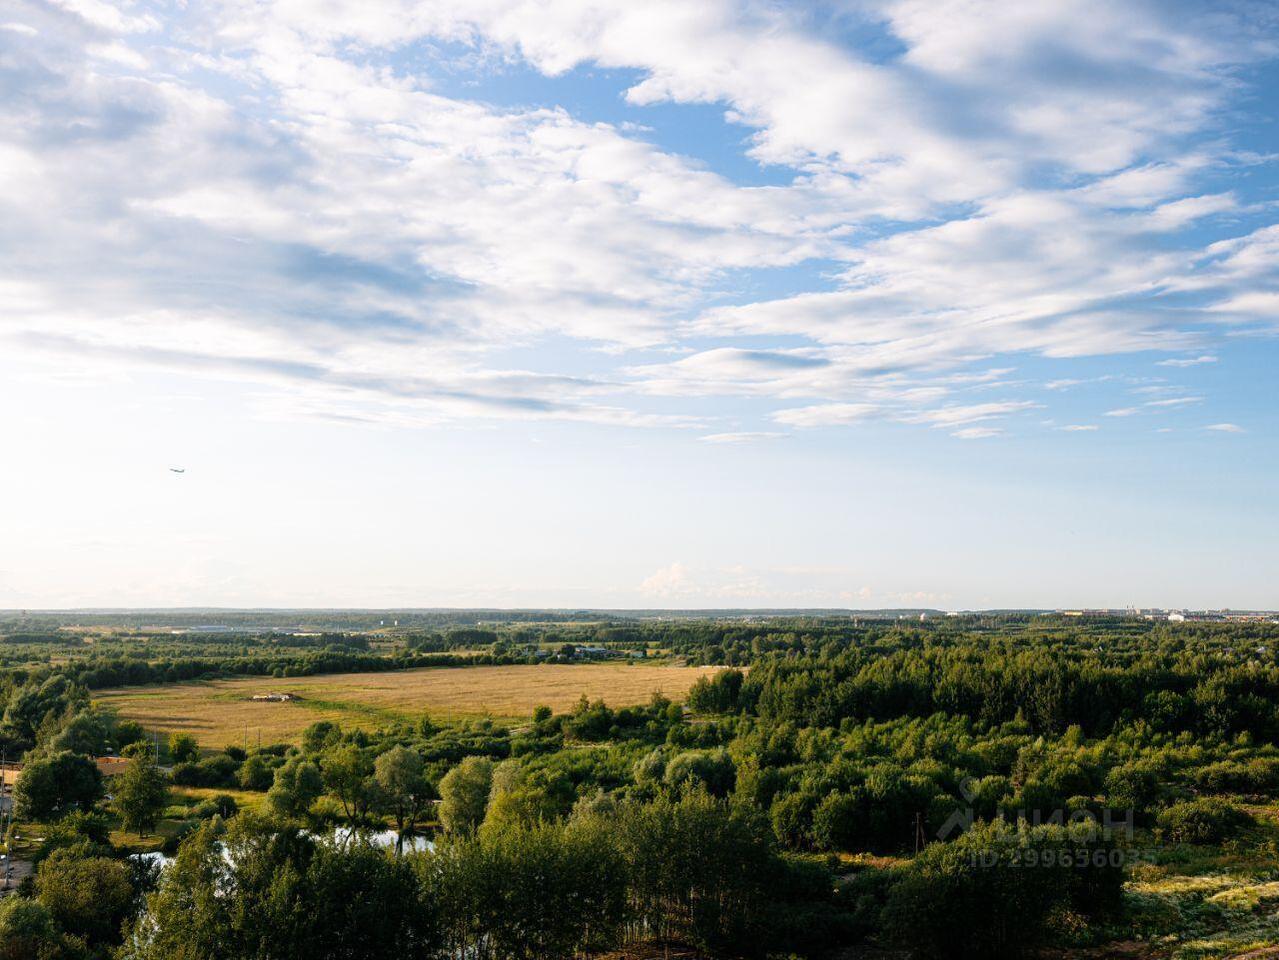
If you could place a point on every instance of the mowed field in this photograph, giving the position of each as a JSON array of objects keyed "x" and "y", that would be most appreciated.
[{"x": 221, "y": 712}]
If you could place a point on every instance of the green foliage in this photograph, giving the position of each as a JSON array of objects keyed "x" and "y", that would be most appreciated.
[
  {"x": 28, "y": 931},
  {"x": 991, "y": 893},
  {"x": 464, "y": 795},
  {"x": 402, "y": 788},
  {"x": 717, "y": 694},
  {"x": 540, "y": 892},
  {"x": 348, "y": 776},
  {"x": 219, "y": 770},
  {"x": 53, "y": 786},
  {"x": 139, "y": 794},
  {"x": 1206, "y": 820},
  {"x": 711, "y": 770},
  {"x": 256, "y": 773},
  {"x": 265, "y": 891},
  {"x": 592, "y": 829},
  {"x": 297, "y": 785},
  {"x": 88, "y": 897},
  {"x": 183, "y": 748}
]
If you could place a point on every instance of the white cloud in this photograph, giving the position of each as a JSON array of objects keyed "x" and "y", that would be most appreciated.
[
  {"x": 977, "y": 433},
  {"x": 1122, "y": 412},
  {"x": 742, "y": 437},
  {"x": 826, "y": 414},
  {"x": 1187, "y": 361},
  {"x": 1226, "y": 428},
  {"x": 367, "y": 247},
  {"x": 950, "y": 416},
  {"x": 666, "y": 582},
  {"x": 1080, "y": 427}
]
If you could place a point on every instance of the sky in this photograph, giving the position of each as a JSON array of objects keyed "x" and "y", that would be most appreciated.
[{"x": 593, "y": 303}]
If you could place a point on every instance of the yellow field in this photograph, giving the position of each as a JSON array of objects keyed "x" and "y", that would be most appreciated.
[{"x": 220, "y": 712}]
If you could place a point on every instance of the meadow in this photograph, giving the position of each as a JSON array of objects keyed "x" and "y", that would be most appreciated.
[
  {"x": 219, "y": 712},
  {"x": 808, "y": 772}
]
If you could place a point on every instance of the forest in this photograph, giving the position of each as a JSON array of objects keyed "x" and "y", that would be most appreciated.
[{"x": 993, "y": 786}]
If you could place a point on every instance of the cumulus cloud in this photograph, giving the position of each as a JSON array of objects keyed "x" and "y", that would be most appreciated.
[
  {"x": 666, "y": 582},
  {"x": 284, "y": 195}
]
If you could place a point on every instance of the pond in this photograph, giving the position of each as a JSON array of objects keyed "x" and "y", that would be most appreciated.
[{"x": 416, "y": 843}]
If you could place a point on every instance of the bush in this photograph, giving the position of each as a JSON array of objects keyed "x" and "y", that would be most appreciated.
[
  {"x": 216, "y": 771},
  {"x": 1207, "y": 820},
  {"x": 27, "y": 930},
  {"x": 256, "y": 773},
  {"x": 221, "y": 805},
  {"x": 711, "y": 770},
  {"x": 183, "y": 748},
  {"x": 990, "y": 893}
]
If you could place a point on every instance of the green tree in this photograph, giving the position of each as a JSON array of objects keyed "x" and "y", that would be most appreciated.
[
  {"x": 88, "y": 733},
  {"x": 464, "y": 795},
  {"x": 257, "y": 890},
  {"x": 28, "y": 931},
  {"x": 348, "y": 775},
  {"x": 989, "y": 894},
  {"x": 256, "y": 773},
  {"x": 88, "y": 896},
  {"x": 298, "y": 784},
  {"x": 183, "y": 748},
  {"x": 50, "y": 787},
  {"x": 401, "y": 785},
  {"x": 140, "y": 793}
]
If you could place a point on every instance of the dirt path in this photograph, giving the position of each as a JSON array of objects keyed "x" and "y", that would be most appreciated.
[{"x": 21, "y": 870}]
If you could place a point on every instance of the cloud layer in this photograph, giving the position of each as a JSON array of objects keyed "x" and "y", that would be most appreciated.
[{"x": 296, "y": 198}]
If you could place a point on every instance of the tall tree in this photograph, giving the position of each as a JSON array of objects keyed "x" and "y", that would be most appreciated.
[
  {"x": 348, "y": 775},
  {"x": 464, "y": 794},
  {"x": 298, "y": 784},
  {"x": 402, "y": 785},
  {"x": 140, "y": 793}
]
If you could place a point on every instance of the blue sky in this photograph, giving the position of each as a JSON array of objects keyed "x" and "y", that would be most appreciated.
[{"x": 563, "y": 303}]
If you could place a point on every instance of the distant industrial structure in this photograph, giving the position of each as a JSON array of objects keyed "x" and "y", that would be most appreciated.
[{"x": 1225, "y": 615}]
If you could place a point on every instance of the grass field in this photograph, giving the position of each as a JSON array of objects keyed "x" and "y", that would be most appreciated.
[{"x": 220, "y": 712}]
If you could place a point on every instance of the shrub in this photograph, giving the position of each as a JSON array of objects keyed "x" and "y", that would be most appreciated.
[
  {"x": 990, "y": 893},
  {"x": 1206, "y": 820}
]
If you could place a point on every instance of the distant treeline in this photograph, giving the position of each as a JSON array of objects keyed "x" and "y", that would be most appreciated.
[{"x": 99, "y": 673}]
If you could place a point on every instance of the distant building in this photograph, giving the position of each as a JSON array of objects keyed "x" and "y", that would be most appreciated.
[{"x": 112, "y": 766}]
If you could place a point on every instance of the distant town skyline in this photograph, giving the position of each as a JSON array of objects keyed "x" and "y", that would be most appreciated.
[{"x": 551, "y": 304}]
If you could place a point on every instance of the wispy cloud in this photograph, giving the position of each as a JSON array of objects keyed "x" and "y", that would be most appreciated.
[
  {"x": 367, "y": 246},
  {"x": 977, "y": 433},
  {"x": 742, "y": 437}
]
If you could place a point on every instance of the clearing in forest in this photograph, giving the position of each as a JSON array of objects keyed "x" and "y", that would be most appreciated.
[{"x": 222, "y": 712}]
